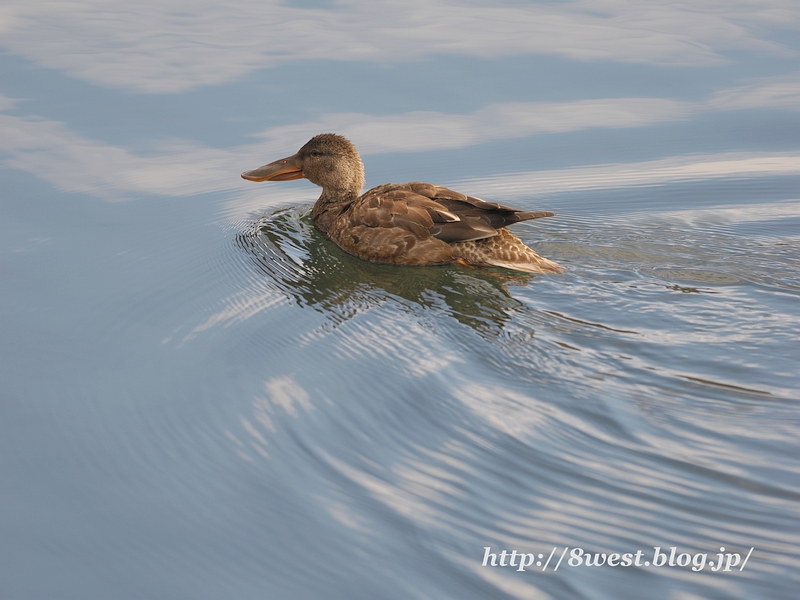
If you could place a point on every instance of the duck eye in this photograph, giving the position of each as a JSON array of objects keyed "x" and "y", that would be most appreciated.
[{"x": 315, "y": 153}]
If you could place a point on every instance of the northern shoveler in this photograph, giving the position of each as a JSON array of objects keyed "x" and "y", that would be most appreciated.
[{"x": 407, "y": 224}]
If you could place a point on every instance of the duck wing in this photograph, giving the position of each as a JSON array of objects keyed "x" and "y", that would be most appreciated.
[{"x": 432, "y": 210}]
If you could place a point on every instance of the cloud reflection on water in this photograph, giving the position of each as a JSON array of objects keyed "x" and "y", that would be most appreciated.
[
  {"x": 439, "y": 406},
  {"x": 79, "y": 164},
  {"x": 173, "y": 45},
  {"x": 668, "y": 170}
]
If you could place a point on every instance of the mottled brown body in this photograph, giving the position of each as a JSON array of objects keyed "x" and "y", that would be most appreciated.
[{"x": 408, "y": 224}]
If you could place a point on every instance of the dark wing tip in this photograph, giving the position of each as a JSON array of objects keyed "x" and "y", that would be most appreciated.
[{"x": 526, "y": 216}]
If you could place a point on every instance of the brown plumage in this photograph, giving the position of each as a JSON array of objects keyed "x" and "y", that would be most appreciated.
[{"x": 408, "y": 224}]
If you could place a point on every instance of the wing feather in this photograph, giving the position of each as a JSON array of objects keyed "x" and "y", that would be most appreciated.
[{"x": 427, "y": 210}]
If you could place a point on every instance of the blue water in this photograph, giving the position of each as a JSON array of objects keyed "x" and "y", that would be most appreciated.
[{"x": 201, "y": 397}]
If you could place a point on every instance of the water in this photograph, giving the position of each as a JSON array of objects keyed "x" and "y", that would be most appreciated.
[{"x": 203, "y": 398}]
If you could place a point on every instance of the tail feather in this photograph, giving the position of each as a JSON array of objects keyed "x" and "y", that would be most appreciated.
[{"x": 526, "y": 216}]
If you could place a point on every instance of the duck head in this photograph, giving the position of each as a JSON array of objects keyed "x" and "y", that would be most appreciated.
[{"x": 328, "y": 160}]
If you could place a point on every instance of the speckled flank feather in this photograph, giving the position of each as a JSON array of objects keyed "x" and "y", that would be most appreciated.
[
  {"x": 504, "y": 250},
  {"x": 408, "y": 224}
]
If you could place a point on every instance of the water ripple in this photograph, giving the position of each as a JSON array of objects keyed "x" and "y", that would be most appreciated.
[{"x": 638, "y": 400}]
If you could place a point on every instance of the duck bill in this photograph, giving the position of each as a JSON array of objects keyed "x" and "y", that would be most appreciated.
[{"x": 280, "y": 170}]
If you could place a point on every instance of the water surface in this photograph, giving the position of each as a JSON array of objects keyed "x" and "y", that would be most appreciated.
[{"x": 204, "y": 398}]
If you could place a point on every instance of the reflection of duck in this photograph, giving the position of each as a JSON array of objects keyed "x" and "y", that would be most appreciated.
[
  {"x": 303, "y": 265},
  {"x": 407, "y": 224}
]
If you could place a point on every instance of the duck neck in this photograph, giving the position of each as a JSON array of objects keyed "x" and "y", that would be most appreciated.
[{"x": 330, "y": 205}]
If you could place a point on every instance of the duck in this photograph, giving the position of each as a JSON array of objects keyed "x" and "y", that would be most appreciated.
[{"x": 413, "y": 224}]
